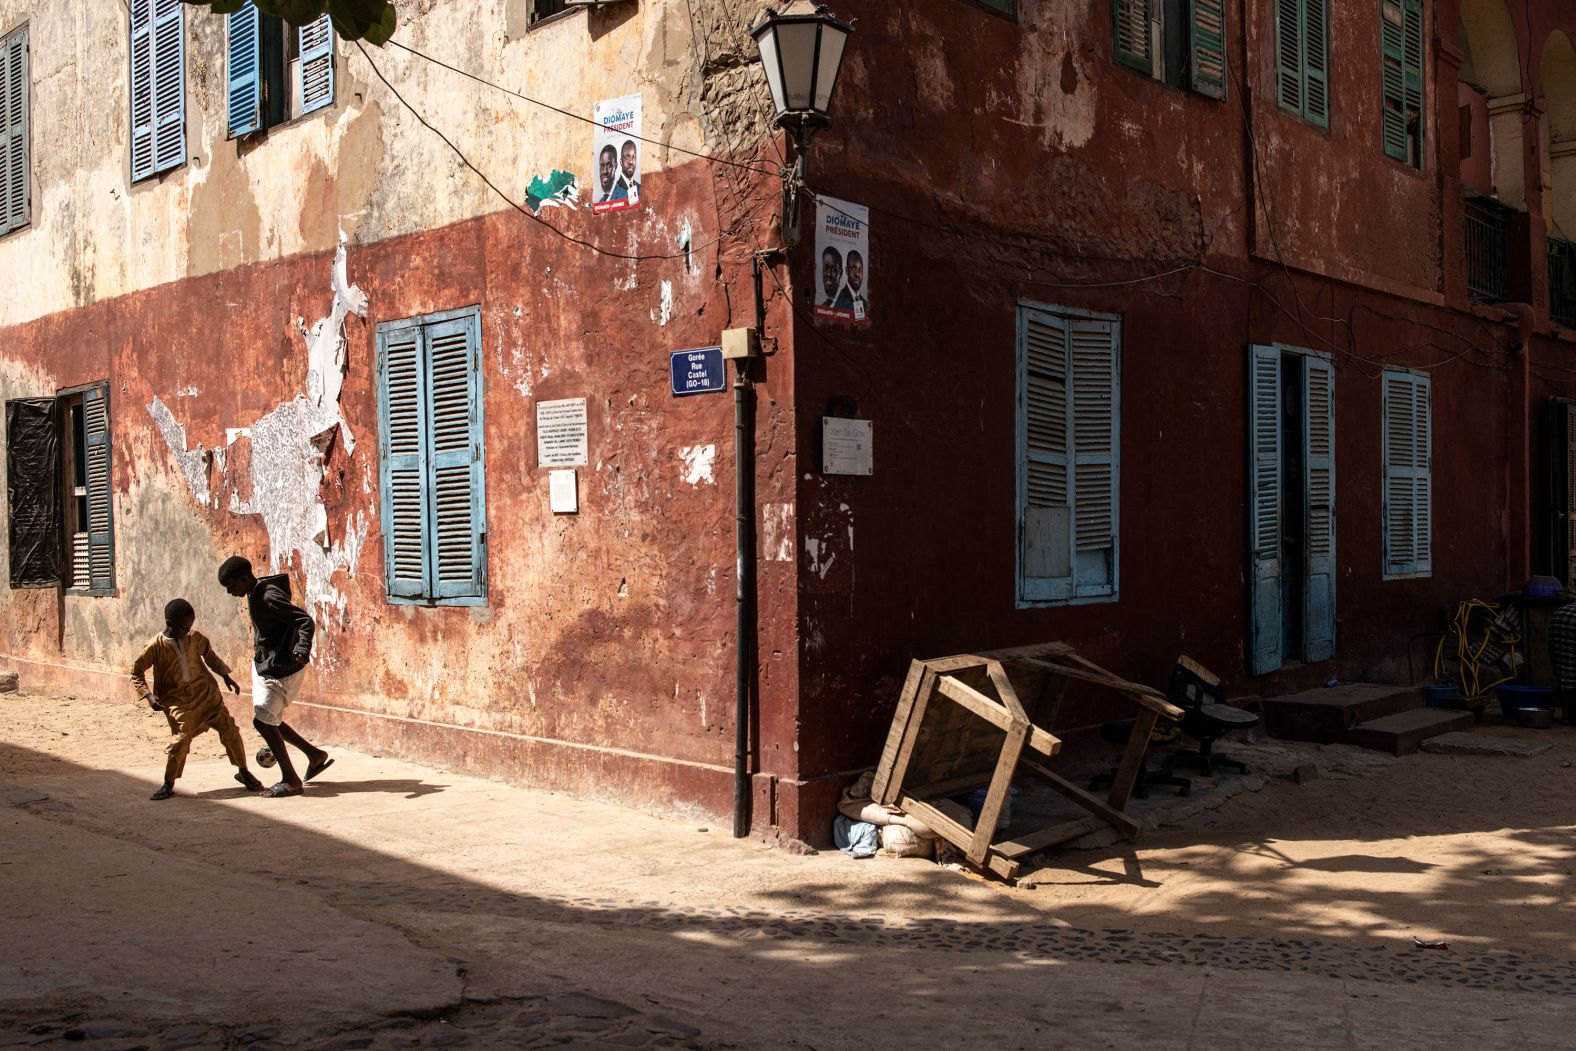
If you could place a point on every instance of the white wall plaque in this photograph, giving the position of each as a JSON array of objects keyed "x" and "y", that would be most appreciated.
[
  {"x": 845, "y": 446},
  {"x": 562, "y": 492},
  {"x": 561, "y": 433}
]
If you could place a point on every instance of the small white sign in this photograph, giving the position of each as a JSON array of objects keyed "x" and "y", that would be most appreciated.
[
  {"x": 561, "y": 433},
  {"x": 563, "y": 493},
  {"x": 846, "y": 446}
]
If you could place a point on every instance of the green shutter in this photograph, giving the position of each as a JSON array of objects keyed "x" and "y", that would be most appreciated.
[
  {"x": 1288, "y": 54},
  {"x": 14, "y": 90},
  {"x": 101, "y": 514},
  {"x": 1412, "y": 85},
  {"x": 1207, "y": 47},
  {"x": 1408, "y": 482},
  {"x": 1392, "y": 77},
  {"x": 1006, "y": 7},
  {"x": 1316, "y": 62},
  {"x": 1134, "y": 40},
  {"x": 243, "y": 66}
]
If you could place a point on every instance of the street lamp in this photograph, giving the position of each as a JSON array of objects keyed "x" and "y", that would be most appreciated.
[{"x": 801, "y": 50}]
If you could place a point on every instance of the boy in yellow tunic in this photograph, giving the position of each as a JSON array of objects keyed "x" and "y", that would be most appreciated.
[{"x": 187, "y": 694}]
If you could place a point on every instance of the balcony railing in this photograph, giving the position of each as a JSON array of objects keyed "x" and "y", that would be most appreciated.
[
  {"x": 1488, "y": 276},
  {"x": 1562, "y": 281}
]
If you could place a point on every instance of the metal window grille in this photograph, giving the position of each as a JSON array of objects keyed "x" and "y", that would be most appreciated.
[
  {"x": 1488, "y": 275},
  {"x": 1562, "y": 281}
]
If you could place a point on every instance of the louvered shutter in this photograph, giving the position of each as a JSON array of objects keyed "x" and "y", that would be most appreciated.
[
  {"x": 32, "y": 434},
  {"x": 1408, "y": 495},
  {"x": 1207, "y": 47},
  {"x": 169, "y": 84},
  {"x": 141, "y": 89},
  {"x": 402, "y": 397},
  {"x": 1096, "y": 410},
  {"x": 1392, "y": 78},
  {"x": 317, "y": 64},
  {"x": 1288, "y": 54},
  {"x": 1318, "y": 459},
  {"x": 1412, "y": 59},
  {"x": 1134, "y": 46},
  {"x": 14, "y": 90},
  {"x": 456, "y": 543},
  {"x": 1264, "y": 506},
  {"x": 243, "y": 68},
  {"x": 1316, "y": 62},
  {"x": 101, "y": 516},
  {"x": 1045, "y": 520}
]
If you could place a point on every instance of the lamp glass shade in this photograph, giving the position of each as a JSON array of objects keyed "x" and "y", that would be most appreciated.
[
  {"x": 767, "y": 43},
  {"x": 830, "y": 59},
  {"x": 796, "y": 53}
]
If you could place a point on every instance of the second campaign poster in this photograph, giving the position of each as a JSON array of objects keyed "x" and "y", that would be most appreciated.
[
  {"x": 842, "y": 251},
  {"x": 616, "y": 184}
]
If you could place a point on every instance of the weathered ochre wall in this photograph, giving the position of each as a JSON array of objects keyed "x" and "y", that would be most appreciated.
[{"x": 603, "y": 659}]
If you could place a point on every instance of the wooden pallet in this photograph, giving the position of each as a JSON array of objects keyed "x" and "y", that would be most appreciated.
[{"x": 966, "y": 722}]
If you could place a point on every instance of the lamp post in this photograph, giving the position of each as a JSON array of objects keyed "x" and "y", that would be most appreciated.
[{"x": 801, "y": 50}]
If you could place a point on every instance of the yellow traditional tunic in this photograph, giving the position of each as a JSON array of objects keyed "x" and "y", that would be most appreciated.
[{"x": 189, "y": 695}]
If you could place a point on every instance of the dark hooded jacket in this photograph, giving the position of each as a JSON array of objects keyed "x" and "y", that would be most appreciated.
[{"x": 283, "y": 631}]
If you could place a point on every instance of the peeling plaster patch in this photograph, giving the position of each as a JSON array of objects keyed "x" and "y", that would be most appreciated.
[
  {"x": 667, "y": 303},
  {"x": 557, "y": 190},
  {"x": 777, "y": 532},
  {"x": 685, "y": 240},
  {"x": 821, "y": 556},
  {"x": 188, "y": 391},
  {"x": 193, "y": 463},
  {"x": 325, "y": 345},
  {"x": 235, "y": 434},
  {"x": 698, "y": 460}
]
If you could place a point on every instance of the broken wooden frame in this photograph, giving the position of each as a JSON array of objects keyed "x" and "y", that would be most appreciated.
[{"x": 965, "y": 722}]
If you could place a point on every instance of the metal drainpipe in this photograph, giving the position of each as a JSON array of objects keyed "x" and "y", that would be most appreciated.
[{"x": 744, "y": 531}]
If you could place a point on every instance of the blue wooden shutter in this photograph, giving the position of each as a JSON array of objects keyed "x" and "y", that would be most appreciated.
[
  {"x": 14, "y": 91},
  {"x": 1135, "y": 42},
  {"x": 1264, "y": 506},
  {"x": 169, "y": 84},
  {"x": 401, "y": 396},
  {"x": 1408, "y": 492},
  {"x": 243, "y": 67},
  {"x": 1318, "y": 459},
  {"x": 456, "y": 542},
  {"x": 317, "y": 64},
  {"x": 1316, "y": 62},
  {"x": 141, "y": 89},
  {"x": 1095, "y": 370},
  {"x": 1044, "y": 440},
  {"x": 1207, "y": 47},
  {"x": 101, "y": 514}
]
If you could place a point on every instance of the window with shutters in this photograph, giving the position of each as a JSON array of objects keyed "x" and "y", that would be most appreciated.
[
  {"x": 1068, "y": 462},
  {"x": 1302, "y": 58},
  {"x": 1180, "y": 42},
  {"x": 15, "y": 152},
  {"x": 59, "y": 491},
  {"x": 275, "y": 73},
  {"x": 1401, "y": 79},
  {"x": 158, "y": 86},
  {"x": 1408, "y": 474},
  {"x": 431, "y": 459}
]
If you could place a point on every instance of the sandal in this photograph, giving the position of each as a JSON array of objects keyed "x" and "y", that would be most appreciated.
[
  {"x": 164, "y": 792},
  {"x": 313, "y": 769},
  {"x": 249, "y": 781},
  {"x": 283, "y": 788}
]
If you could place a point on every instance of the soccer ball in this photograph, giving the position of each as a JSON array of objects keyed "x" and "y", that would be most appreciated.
[{"x": 265, "y": 757}]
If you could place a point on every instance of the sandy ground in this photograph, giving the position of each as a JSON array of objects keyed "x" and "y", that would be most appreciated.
[{"x": 400, "y": 906}]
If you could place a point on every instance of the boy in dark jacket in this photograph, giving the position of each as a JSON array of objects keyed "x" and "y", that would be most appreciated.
[{"x": 281, "y": 651}]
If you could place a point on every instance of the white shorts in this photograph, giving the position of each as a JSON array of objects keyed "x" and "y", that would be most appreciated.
[{"x": 270, "y": 697}]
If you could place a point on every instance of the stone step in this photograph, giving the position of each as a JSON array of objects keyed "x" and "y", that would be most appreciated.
[
  {"x": 1325, "y": 715},
  {"x": 1405, "y": 732}
]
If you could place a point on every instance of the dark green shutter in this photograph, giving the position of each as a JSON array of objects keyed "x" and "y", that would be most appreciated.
[
  {"x": 1134, "y": 41},
  {"x": 1288, "y": 54},
  {"x": 1392, "y": 77},
  {"x": 13, "y": 132},
  {"x": 1412, "y": 85},
  {"x": 32, "y": 434},
  {"x": 101, "y": 515},
  {"x": 1302, "y": 58},
  {"x": 1207, "y": 47}
]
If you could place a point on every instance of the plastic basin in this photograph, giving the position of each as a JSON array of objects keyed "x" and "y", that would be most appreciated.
[
  {"x": 1513, "y": 699},
  {"x": 1439, "y": 696}
]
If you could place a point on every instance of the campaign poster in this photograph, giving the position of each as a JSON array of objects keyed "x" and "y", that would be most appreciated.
[
  {"x": 615, "y": 184},
  {"x": 842, "y": 254}
]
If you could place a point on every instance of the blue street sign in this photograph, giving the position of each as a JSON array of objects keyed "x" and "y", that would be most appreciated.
[{"x": 698, "y": 371}]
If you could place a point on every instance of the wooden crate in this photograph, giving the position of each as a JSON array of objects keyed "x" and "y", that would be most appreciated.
[{"x": 977, "y": 719}]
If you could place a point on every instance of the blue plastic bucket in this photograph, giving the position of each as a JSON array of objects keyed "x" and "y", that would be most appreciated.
[
  {"x": 1513, "y": 699},
  {"x": 1439, "y": 696}
]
